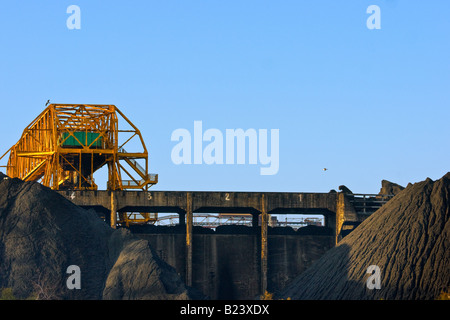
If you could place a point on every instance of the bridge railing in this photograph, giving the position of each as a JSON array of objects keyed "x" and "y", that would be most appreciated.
[
  {"x": 152, "y": 178},
  {"x": 368, "y": 203}
]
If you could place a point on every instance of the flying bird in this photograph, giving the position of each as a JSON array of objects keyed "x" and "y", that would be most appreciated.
[
  {"x": 325, "y": 169},
  {"x": 48, "y": 101}
]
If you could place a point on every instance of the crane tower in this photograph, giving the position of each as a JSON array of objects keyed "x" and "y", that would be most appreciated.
[{"x": 67, "y": 143}]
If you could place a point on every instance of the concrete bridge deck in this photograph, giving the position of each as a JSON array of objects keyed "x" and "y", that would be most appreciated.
[
  {"x": 212, "y": 202},
  {"x": 181, "y": 202}
]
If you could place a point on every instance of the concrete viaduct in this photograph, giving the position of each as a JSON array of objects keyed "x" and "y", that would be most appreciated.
[{"x": 335, "y": 207}]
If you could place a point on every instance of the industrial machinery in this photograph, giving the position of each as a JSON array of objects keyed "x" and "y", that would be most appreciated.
[{"x": 67, "y": 143}]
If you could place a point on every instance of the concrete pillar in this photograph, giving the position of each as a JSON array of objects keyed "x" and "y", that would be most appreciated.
[
  {"x": 189, "y": 223},
  {"x": 340, "y": 213},
  {"x": 344, "y": 212},
  {"x": 113, "y": 216},
  {"x": 264, "y": 224}
]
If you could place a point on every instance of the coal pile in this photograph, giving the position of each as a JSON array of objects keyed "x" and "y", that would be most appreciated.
[
  {"x": 315, "y": 230},
  {"x": 388, "y": 187},
  {"x": 408, "y": 239},
  {"x": 231, "y": 229},
  {"x": 42, "y": 234}
]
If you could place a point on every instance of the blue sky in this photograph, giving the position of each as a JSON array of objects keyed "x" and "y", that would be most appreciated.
[{"x": 366, "y": 104}]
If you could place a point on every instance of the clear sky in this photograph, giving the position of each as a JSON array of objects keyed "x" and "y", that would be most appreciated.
[{"x": 366, "y": 104}]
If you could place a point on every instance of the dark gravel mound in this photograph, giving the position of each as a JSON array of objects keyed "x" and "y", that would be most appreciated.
[
  {"x": 177, "y": 229},
  {"x": 235, "y": 229},
  {"x": 388, "y": 187},
  {"x": 150, "y": 228},
  {"x": 408, "y": 239},
  {"x": 315, "y": 230},
  {"x": 281, "y": 231},
  {"x": 42, "y": 234}
]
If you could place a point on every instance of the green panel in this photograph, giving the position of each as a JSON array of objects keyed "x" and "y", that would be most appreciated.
[
  {"x": 91, "y": 136},
  {"x": 86, "y": 138}
]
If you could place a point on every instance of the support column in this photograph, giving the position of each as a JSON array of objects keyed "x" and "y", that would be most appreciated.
[
  {"x": 189, "y": 222},
  {"x": 113, "y": 216},
  {"x": 344, "y": 212},
  {"x": 264, "y": 224}
]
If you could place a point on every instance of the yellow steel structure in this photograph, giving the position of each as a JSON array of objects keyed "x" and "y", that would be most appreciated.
[{"x": 67, "y": 143}]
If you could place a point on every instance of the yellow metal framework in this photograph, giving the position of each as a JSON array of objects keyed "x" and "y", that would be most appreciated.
[{"x": 67, "y": 143}]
